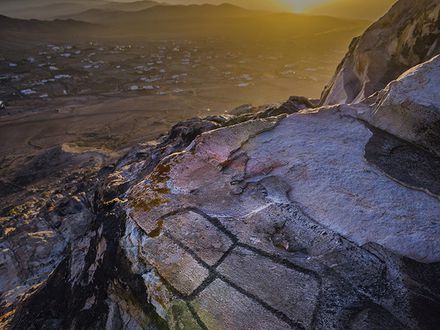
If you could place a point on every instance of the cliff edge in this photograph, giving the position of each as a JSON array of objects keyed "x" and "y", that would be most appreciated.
[{"x": 406, "y": 36}]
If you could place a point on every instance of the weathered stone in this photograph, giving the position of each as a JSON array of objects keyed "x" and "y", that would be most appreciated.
[
  {"x": 181, "y": 317},
  {"x": 173, "y": 263},
  {"x": 409, "y": 107},
  {"x": 197, "y": 234},
  {"x": 297, "y": 292},
  {"x": 405, "y": 162},
  {"x": 324, "y": 165},
  {"x": 222, "y": 307},
  {"x": 298, "y": 198}
]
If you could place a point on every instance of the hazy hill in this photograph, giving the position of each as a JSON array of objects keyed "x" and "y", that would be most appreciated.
[
  {"x": 8, "y": 25},
  {"x": 46, "y": 9},
  {"x": 225, "y": 20},
  {"x": 50, "y": 9},
  {"x": 129, "y": 6},
  {"x": 16, "y": 5},
  {"x": 167, "y": 21},
  {"x": 157, "y": 13},
  {"x": 19, "y": 34},
  {"x": 371, "y": 9}
]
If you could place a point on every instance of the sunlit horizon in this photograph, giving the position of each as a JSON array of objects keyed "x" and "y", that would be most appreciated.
[
  {"x": 342, "y": 8},
  {"x": 301, "y": 6},
  {"x": 298, "y": 6},
  {"x": 356, "y": 9}
]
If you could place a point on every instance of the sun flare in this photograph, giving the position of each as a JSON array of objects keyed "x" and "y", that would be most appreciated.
[{"x": 300, "y": 6}]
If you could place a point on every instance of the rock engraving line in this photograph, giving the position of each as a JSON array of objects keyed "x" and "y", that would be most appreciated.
[{"x": 214, "y": 274}]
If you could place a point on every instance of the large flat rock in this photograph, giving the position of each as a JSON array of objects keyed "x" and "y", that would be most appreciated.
[
  {"x": 319, "y": 157},
  {"x": 324, "y": 165},
  {"x": 283, "y": 223}
]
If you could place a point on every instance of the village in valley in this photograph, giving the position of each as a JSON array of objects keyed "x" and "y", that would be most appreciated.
[
  {"x": 106, "y": 94},
  {"x": 102, "y": 92},
  {"x": 156, "y": 68}
]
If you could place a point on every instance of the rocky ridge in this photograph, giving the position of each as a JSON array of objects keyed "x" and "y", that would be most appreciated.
[
  {"x": 285, "y": 217},
  {"x": 406, "y": 36}
]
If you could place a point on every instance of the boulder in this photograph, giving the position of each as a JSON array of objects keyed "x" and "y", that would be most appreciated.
[
  {"x": 231, "y": 223},
  {"x": 407, "y": 35},
  {"x": 409, "y": 107}
]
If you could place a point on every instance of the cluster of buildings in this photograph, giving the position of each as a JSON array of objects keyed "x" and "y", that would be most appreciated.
[{"x": 161, "y": 67}]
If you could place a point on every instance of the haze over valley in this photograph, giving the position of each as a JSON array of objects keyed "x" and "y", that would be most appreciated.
[
  {"x": 104, "y": 74},
  {"x": 371, "y": 10}
]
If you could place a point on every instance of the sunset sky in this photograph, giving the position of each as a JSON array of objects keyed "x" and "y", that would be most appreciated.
[
  {"x": 366, "y": 9},
  {"x": 363, "y": 9}
]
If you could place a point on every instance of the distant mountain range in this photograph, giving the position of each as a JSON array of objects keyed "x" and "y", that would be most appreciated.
[
  {"x": 159, "y": 12},
  {"x": 47, "y": 9},
  {"x": 50, "y": 9},
  {"x": 158, "y": 20},
  {"x": 225, "y": 19},
  {"x": 33, "y": 26},
  {"x": 361, "y": 9}
]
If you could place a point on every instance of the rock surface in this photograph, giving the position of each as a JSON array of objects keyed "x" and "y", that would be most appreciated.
[
  {"x": 284, "y": 224},
  {"x": 409, "y": 107},
  {"x": 292, "y": 207},
  {"x": 277, "y": 217},
  {"x": 407, "y": 35},
  {"x": 44, "y": 208}
]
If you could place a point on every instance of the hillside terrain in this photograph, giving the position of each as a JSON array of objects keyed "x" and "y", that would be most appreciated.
[
  {"x": 104, "y": 86},
  {"x": 309, "y": 214},
  {"x": 224, "y": 20},
  {"x": 352, "y": 8},
  {"x": 50, "y": 9},
  {"x": 57, "y": 9}
]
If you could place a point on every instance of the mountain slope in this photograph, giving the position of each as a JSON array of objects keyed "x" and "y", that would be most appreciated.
[
  {"x": 65, "y": 9},
  {"x": 360, "y": 9},
  {"x": 222, "y": 20},
  {"x": 129, "y": 6},
  {"x": 47, "y": 11},
  {"x": 160, "y": 12},
  {"x": 8, "y": 24},
  {"x": 44, "y": 9}
]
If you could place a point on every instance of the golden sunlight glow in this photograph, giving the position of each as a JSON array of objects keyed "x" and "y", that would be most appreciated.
[
  {"x": 277, "y": 5},
  {"x": 357, "y": 9},
  {"x": 300, "y": 6}
]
